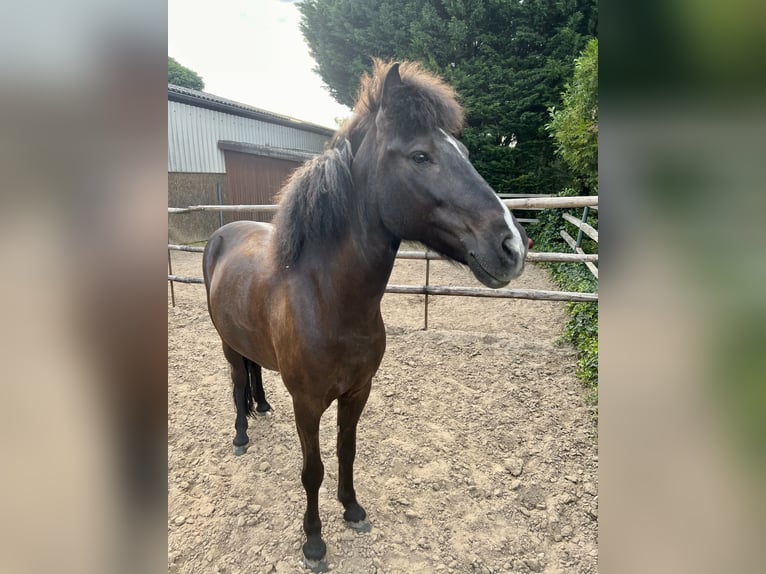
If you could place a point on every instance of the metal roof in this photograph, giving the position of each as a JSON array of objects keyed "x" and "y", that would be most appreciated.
[
  {"x": 199, "y": 122},
  {"x": 196, "y": 135},
  {"x": 217, "y": 103}
]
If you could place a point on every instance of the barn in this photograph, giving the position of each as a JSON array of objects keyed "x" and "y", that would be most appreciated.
[{"x": 221, "y": 151}]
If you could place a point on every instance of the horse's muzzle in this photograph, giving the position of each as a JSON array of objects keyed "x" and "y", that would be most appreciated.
[{"x": 495, "y": 268}]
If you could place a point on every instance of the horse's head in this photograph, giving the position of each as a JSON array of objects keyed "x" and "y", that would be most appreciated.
[{"x": 427, "y": 190}]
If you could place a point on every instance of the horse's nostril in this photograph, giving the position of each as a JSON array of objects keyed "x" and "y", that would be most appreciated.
[{"x": 508, "y": 246}]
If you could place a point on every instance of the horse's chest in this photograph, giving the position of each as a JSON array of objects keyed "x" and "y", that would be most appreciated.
[
  {"x": 355, "y": 347},
  {"x": 361, "y": 349},
  {"x": 355, "y": 358},
  {"x": 344, "y": 356}
]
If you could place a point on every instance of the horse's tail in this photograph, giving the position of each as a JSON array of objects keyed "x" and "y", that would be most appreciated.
[
  {"x": 249, "y": 403},
  {"x": 209, "y": 257}
]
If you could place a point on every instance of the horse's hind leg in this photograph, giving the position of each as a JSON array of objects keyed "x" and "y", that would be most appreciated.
[
  {"x": 350, "y": 408},
  {"x": 262, "y": 407},
  {"x": 243, "y": 397}
]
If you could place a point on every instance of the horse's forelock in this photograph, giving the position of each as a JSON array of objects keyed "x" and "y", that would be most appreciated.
[
  {"x": 428, "y": 96},
  {"x": 423, "y": 102}
]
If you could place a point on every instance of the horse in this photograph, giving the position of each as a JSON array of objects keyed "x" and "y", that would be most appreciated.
[{"x": 302, "y": 296}]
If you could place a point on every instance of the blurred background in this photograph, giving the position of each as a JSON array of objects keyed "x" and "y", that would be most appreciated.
[
  {"x": 83, "y": 229},
  {"x": 682, "y": 308},
  {"x": 82, "y": 341}
]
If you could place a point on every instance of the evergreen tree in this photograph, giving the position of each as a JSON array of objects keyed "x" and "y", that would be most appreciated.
[{"x": 508, "y": 60}]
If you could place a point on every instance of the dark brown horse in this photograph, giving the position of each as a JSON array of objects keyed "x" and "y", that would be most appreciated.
[{"x": 302, "y": 297}]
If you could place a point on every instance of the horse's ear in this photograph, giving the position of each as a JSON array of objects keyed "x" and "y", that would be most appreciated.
[{"x": 393, "y": 80}]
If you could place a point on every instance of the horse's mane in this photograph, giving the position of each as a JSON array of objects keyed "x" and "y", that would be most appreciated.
[{"x": 315, "y": 203}]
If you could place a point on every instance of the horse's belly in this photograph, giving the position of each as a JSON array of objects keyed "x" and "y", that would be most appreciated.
[
  {"x": 253, "y": 344},
  {"x": 261, "y": 355}
]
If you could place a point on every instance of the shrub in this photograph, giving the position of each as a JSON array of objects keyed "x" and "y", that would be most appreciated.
[{"x": 574, "y": 127}]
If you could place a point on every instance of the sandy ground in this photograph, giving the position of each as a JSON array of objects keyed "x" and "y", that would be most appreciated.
[{"x": 476, "y": 452}]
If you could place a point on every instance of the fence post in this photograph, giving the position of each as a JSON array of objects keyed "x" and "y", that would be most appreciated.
[
  {"x": 220, "y": 202},
  {"x": 170, "y": 272},
  {"x": 428, "y": 274},
  {"x": 578, "y": 241}
]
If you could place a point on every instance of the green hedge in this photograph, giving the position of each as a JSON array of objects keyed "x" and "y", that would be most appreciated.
[
  {"x": 574, "y": 127},
  {"x": 582, "y": 328}
]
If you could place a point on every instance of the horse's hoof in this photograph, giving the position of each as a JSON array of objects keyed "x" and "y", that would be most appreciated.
[
  {"x": 315, "y": 565},
  {"x": 318, "y": 552},
  {"x": 241, "y": 449},
  {"x": 354, "y": 514},
  {"x": 361, "y": 526},
  {"x": 268, "y": 413}
]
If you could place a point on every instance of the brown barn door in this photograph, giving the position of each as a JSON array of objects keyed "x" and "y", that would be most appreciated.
[{"x": 253, "y": 180}]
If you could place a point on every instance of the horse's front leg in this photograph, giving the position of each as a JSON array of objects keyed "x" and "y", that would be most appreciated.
[
  {"x": 307, "y": 420},
  {"x": 350, "y": 408}
]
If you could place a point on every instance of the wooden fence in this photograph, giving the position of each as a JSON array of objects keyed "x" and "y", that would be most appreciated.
[
  {"x": 582, "y": 227},
  {"x": 578, "y": 255}
]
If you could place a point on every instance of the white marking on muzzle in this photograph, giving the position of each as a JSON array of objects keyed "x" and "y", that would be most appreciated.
[{"x": 516, "y": 243}]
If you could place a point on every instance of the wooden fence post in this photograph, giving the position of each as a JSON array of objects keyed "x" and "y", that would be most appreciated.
[
  {"x": 170, "y": 272},
  {"x": 428, "y": 275},
  {"x": 579, "y": 231}
]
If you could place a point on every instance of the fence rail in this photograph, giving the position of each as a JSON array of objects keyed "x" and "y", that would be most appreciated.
[
  {"x": 516, "y": 203},
  {"x": 529, "y": 203},
  {"x": 587, "y": 229},
  {"x": 536, "y": 294},
  {"x": 582, "y": 228},
  {"x": 431, "y": 256},
  {"x": 182, "y": 279}
]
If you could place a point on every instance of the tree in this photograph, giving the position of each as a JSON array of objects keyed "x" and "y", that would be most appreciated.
[
  {"x": 574, "y": 126},
  {"x": 182, "y": 76},
  {"x": 508, "y": 60}
]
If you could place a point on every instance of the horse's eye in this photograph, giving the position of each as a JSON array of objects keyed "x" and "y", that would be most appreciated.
[{"x": 419, "y": 157}]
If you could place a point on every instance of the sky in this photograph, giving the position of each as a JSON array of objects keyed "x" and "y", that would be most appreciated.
[{"x": 253, "y": 52}]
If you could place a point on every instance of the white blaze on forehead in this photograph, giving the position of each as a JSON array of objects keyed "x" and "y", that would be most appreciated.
[
  {"x": 516, "y": 243},
  {"x": 453, "y": 142}
]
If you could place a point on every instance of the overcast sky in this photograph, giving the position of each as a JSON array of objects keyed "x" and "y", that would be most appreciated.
[{"x": 253, "y": 52}]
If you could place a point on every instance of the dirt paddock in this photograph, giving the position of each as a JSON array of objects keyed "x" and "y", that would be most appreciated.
[{"x": 476, "y": 452}]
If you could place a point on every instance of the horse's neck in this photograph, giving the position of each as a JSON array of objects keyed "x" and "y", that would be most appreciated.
[
  {"x": 364, "y": 261},
  {"x": 353, "y": 272},
  {"x": 359, "y": 265},
  {"x": 373, "y": 246}
]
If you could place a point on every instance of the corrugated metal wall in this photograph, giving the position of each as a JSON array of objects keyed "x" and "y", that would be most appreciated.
[
  {"x": 194, "y": 132},
  {"x": 253, "y": 180}
]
